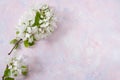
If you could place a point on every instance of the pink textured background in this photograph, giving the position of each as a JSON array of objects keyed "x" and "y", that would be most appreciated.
[{"x": 86, "y": 46}]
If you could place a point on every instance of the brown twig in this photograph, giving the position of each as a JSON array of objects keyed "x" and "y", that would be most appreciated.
[
  {"x": 14, "y": 46},
  {"x": 11, "y": 52}
]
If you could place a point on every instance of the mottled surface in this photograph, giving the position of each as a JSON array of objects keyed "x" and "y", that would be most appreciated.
[{"x": 86, "y": 46}]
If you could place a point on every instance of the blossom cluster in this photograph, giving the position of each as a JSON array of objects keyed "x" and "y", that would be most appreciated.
[
  {"x": 16, "y": 67},
  {"x": 36, "y": 24}
]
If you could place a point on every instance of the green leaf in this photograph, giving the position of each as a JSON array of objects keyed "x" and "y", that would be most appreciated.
[
  {"x": 17, "y": 32},
  {"x": 26, "y": 43},
  {"x": 15, "y": 75},
  {"x": 37, "y": 18},
  {"x": 7, "y": 72},
  {"x": 31, "y": 44},
  {"x": 24, "y": 73},
  {"x": 13, "y": 41},
  {"x": 9, "y": 78},
  {"x": 23, "y": 66},
  {"x": 24, "y": 70}
]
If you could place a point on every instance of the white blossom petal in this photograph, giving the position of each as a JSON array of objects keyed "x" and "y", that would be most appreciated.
[
  {"x": 27, "y": 35},
  {"x": 45, "y": 24},
  {"x": 30, "y": 40},
  {"x": 34, "y": 30},
  {"x": 29, "y": 29}
]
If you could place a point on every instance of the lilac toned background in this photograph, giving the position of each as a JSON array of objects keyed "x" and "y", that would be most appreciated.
[{"x": 86, "y": 45}]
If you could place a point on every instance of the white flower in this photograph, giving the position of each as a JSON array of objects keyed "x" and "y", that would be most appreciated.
[
  {"x": 10, "y": 67},
  {"x": 37, "y": 36},
  {"x": 50, "y": 29},
  {"x": 27, "y": 35},
  {"x": 34, "y": 30},
  {"x": 26, "y": 20},
  {"x": 21, "y": 35},
  {"x": 15, "y": 65},
  {"x": 30, "y": 26},
  {"x": 42, "y": 16},
  {"x": 48, "y": 14},
  {"x": 44, "y": 7},
  {"x": 46, "y": 20},
  {"x": 19, "y": 71},
  {"x": 29, "y": 30},
  {"x": 40, "y": 21},
  {"x": 21, "y": 28},
  {"x": 30, "y": 40},
  {"x": 41, "y": 31},
  {"x": 45, "y": 24},
  {"x": 36, "y": 7},
  {"x": 15, "y": 68},
  {"x": 19, "y": 57}
]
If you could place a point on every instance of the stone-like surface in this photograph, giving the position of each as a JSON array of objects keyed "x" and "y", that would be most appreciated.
[{"x": 86, "y": 46}]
